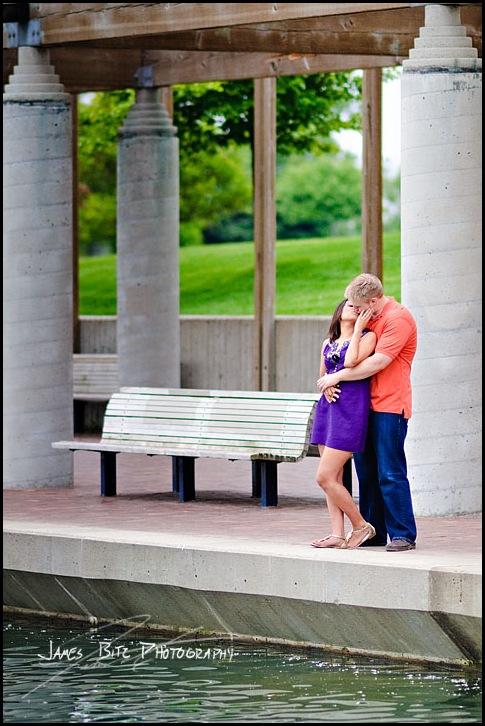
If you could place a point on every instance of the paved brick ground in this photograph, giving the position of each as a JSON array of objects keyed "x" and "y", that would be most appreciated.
[{"x": 223, "y": 505}]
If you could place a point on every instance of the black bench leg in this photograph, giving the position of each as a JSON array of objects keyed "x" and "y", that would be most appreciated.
[
  {"x": 265, "y": 482},
  {"x": 175, "y": 474},
  {"x": 78, "y": 413},
  {"x": 183, "y": 477},
  {"x": 256, "y": 478},
  {"x": 108, "y": 473},
  {"x": 347, "y": 478}
]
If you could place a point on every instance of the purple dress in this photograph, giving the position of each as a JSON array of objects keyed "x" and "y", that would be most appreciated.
[{"x": 342, "y": 424}]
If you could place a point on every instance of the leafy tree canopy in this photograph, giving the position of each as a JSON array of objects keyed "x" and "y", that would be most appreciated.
[
  {"x": 214, "y": 115},
  {"x": 316, "y": 194},
  {"x": 309, "y": 108}
]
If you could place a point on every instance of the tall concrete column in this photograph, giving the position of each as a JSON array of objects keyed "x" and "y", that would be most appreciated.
[
  {"x": 148, "y": 326},
  {"x": 37, "y": 275},
  {"x": 441, "y": 262}
]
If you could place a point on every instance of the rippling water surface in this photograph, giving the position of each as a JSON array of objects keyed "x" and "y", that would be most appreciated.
[{"x": 59, "y": 674}]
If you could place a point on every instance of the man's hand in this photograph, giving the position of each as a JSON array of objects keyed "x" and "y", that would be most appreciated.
[
  {"x": 329, "y": 380},
  {"x": 330, "y": 390}
]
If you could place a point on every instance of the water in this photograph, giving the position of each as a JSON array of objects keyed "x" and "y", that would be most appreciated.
[{"x": 62, "y": 673}]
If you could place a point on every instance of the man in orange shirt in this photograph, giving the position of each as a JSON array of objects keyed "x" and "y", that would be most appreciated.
[{"x": 384, "y": 491}]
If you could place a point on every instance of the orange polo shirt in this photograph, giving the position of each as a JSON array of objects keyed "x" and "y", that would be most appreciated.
[{"x": 396, "y": 332}]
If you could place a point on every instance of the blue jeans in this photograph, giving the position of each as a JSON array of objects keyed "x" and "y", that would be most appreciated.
[{"x": 384, "y": 491}]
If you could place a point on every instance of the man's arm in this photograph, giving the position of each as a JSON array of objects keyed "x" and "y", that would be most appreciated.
[{"x": 365, "y": 369}]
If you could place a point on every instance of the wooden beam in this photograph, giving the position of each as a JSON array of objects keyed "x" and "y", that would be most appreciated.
[
  {"x": 89, "y": 69},
  {"x": 63, "y": 23},
  {"x": 92, "y": 69},
  {"x": 197, "y": 66},
  {"x": 265, "y": 232},
  {"x": 390, "y": 32},
  {"x": 242, "y": 40}
]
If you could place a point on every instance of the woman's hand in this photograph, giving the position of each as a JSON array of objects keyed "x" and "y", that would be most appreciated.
[
  {"x": 328, "y": 385},
  {"x": 362, "y": 319},
  {"x": 331, "y": 394}
]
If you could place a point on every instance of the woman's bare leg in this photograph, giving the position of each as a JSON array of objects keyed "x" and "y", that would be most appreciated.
[
  {"x": 337, "y": 535},
  {"x": 330, "y": 479}
]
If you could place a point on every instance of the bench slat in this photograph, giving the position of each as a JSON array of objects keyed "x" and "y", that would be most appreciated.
[
  {"x": 255, "y": 447},
  {"x": 224, "y": 409},
  {"x": 265, "y": 437},
  {"x": 170, "y": 416},
  {"x": 260, "y": 399},
  {"x": 212, "y": 393},
  {"x": 172, "y": 451},
  {"x": 264, "y": 440},
  {"x": 223, "y": 413}
]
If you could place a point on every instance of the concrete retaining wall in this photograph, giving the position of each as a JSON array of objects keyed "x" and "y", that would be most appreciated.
[
  {"x": 397, "y": 608},
  {"x": 217, "y": 351}
]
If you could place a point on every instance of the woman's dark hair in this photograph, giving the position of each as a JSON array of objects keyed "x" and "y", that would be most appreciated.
[{"x": 334, "y": 327}]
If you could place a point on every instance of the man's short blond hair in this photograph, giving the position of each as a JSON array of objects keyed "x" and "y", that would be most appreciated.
[{"x": 364, "y": 287}]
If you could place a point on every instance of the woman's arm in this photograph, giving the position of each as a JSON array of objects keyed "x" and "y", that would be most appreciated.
[
  {"x": 323, "y": 369},
  {"x": 362, "y": 349},
  {"x": 330, "y": 393},
  {"x": 360, "y": 346}
]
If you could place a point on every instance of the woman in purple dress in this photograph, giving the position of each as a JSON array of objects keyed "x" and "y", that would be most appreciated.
[{"x": 340, "y": 423}]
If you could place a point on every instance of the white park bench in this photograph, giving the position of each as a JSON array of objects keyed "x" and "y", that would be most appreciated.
[{"x": 265, "y": 428}]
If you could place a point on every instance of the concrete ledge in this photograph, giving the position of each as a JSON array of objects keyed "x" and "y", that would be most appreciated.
[{"x": 401, "y": 606}]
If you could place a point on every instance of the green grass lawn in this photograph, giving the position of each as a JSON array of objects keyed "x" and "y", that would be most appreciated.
[{"x": 311, "y": 276}]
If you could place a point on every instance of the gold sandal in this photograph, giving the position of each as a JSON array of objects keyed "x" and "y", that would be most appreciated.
[
  {"x": 369, "y": 532},
  {"x": 316, "y": 542}
]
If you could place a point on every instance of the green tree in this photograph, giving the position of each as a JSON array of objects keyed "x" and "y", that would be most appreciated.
[
  {"x": 99, "y": 118},
  {"x": 214, "y": 185},
  {"x": 318, "y": 196},
  {"x": 308, "y": 108}
]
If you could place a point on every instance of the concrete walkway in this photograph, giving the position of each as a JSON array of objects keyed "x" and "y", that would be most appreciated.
[{"x": 224, "y": 564}]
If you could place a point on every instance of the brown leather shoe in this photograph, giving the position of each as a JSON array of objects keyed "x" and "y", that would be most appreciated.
[{"x": 400, "y": 545}]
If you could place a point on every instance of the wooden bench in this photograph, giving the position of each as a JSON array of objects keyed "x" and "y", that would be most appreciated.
[
  {"x": 186, "y": 424},
  {"x": 95, "y": 376}
]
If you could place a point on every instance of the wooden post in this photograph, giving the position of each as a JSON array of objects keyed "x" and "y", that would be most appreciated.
[
  {"x": 166, "y": 97},
  {"x": 76, "y": 328},
  {"x": 372, "y": 172},
  {"x": 265, "y": 232}
]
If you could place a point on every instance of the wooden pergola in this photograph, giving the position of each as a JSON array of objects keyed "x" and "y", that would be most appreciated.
[{"x": 109, "y": 46}]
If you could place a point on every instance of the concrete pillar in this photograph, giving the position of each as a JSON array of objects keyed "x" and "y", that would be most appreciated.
[
  {"x": 37, "y": 275},
  {"x": 148, "y": 327},
  {"x": 441, "y": 262}
]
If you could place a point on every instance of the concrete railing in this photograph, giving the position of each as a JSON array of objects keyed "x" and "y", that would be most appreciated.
[{"x": 217, "y": 351}]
